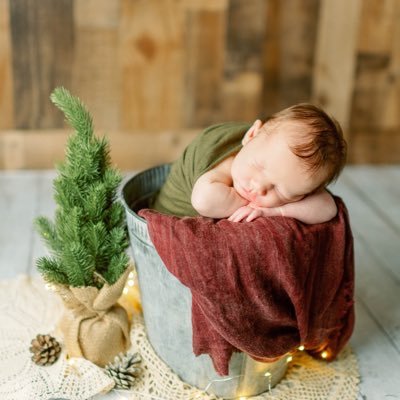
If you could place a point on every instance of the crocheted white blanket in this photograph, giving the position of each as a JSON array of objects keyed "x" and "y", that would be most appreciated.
[{"x": 27, "y": 308}]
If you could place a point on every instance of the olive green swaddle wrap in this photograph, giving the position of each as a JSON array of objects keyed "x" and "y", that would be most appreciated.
[{"x": 207, "y": 150}]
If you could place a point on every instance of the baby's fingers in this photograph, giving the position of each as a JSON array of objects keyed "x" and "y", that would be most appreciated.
[
  {"x": 253, "y": 215},
  {"x": 238, "y": 215}
]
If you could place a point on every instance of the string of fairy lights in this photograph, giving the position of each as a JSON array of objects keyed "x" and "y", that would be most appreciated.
[{"x": 72, "y": 364}]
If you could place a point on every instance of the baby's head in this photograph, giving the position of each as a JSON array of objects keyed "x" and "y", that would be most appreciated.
[{"x": 294, "y": 153}]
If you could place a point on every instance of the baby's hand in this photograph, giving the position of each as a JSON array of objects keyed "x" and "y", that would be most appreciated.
[{"x": 245, "y": 212}]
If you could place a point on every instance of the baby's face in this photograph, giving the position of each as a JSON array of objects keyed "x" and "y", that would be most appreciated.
[{"x": 267, "y": 173}]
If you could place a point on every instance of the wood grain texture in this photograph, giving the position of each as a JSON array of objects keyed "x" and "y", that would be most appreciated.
[
  {"x": 271, "y": 100},
  {"x": 42, "y": 42},
  {"x": 369, "y": 228},
  {"x": 375, "y": 147},
  {"x": 95, "y": 73},
  {"x": 204, "y": 64},
  {"x": 376, "y": 27},
  {"x": 151, "y": 57},
  {"x": 154, "y": 65},
  {"x": 27, "y": 194},
  {"x": 391, "y": 115},
  {"x": 41, "y": 149},
  {"x": 373, "y": 347},
  {"x": 335, "y": 57},
  {"x": 6, "y": 84},
  {"x": 298, "y": 40},
  {"x": 243, "y": 69},
  {"x": 385, "y": 200},
  {"x": 376, "y": 335},
  {"x": 97, "y": 13},
  {"x": 375, "y": 88},
  {"x": 289, "y": 52}
]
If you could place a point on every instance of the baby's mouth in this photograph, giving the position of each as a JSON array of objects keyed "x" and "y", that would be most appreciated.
[
  {"x": 242, "y": 192},
  {"x": 252, "y": 197},
  {"x": 249, "y": 195}
]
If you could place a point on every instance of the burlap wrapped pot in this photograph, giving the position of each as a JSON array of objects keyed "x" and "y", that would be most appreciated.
[{"x": 94, "y": 326}]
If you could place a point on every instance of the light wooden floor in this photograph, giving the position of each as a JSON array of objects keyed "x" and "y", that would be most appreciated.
[{"x": 372, "y": 195}]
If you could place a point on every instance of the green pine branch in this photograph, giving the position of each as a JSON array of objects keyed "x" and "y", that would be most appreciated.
[{"x": 88, "y": 237}]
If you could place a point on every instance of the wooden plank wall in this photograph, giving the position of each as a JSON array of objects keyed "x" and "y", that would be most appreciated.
[
  {"x": 156, "y": 71},
  {"x": 6, "y": 79}
]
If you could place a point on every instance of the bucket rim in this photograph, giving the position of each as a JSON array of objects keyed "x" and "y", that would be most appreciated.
[
  {"x": 127, "y": 179},
  {"x": 121, "y": 196}
]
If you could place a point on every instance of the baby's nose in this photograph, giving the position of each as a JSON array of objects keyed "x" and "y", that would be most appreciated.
[{"x": 260, "y": 190}]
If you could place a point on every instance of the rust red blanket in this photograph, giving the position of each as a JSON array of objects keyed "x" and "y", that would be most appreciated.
[{"x": 263, "y": 287}]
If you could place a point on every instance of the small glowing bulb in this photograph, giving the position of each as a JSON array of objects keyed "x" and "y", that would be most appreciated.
[
  {"x": 324, "y": 354},
  {"x": 126, "y": 290},
  {"x": 130, "y": 275},
  {"x": 301, "y": 348},
  {"x": 71, "y": 361},
  {"x": 131, "y": 282},
  {"x": 267, "y": 374},
  {"x": 290, "y": 358},
  {"x": 242, "y": 398}
]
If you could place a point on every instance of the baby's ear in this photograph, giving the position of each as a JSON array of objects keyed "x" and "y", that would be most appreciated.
[{"x": 252, "y": 132}]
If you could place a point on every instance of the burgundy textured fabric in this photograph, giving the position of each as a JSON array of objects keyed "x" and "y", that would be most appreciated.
[{"x": 263, "y": 287}]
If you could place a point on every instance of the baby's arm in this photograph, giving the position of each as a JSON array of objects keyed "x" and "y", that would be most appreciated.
[
  {"x": 313, "y": 209},
  {"x": 213, "y": 195}
]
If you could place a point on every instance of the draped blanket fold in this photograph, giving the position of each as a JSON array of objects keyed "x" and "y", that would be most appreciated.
[{"x": 264, "y": 287}]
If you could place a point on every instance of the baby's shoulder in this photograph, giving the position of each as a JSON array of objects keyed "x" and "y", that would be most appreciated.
[{"x": 223, "y": 166}]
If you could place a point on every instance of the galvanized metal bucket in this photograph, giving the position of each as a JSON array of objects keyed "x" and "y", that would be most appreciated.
[{"x": 167, "y": 308}]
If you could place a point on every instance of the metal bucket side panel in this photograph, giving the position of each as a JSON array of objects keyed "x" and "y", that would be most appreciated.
[
  {"x": 167, "y": 313},
  {"x": 167, "y": 308}
]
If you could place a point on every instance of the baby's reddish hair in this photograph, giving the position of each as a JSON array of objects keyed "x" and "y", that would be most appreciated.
[{"x": 326, "y": 147}]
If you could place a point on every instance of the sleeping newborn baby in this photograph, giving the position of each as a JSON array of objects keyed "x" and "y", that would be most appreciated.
[{"x": 242, "y": 172}]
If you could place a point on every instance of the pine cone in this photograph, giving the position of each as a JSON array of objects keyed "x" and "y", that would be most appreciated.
[
  {"x": 45, "y": 349},
  {"x": 124, "y": 370}
]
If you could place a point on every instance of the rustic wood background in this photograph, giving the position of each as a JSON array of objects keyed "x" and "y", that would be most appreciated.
[{"x": 154, "y": 72}]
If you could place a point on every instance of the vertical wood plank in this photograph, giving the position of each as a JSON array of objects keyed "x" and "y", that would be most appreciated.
[
  {"x": 335, "y": 56},
  {"x": 204, "y": 62},
  {"x": 390, "y": 118},
  {"x": 42, "y": 48},
  {"x": 375, "y": 147},
  {"x": 151, "y": 57},
  {"x": 243, "y": 68},
  {"x": 375, "y": 77},
  {"x": 289, "y": 52},
  {"x": 271, "y": 99},
  {"x": 370, "y": 90},
  {"x": 6, "y": 86},
  {"x": 97, "y": 13},
  {"x": 12, "y": 152},
  {"x": 95, "y": 77},
  {"x": 376, "y": 26},
  {"x": 298, "y": 38}
]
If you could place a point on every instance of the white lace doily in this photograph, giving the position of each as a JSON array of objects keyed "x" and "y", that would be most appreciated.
[
  {"x": 306, "y": 379},
  {"x": 27, "y": 308}
]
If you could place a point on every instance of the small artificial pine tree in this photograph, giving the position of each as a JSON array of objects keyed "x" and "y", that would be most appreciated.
[{"x": 88, "y": 238}]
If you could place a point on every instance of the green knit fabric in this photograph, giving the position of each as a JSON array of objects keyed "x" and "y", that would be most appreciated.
[{"x": 207, "y": 150}]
